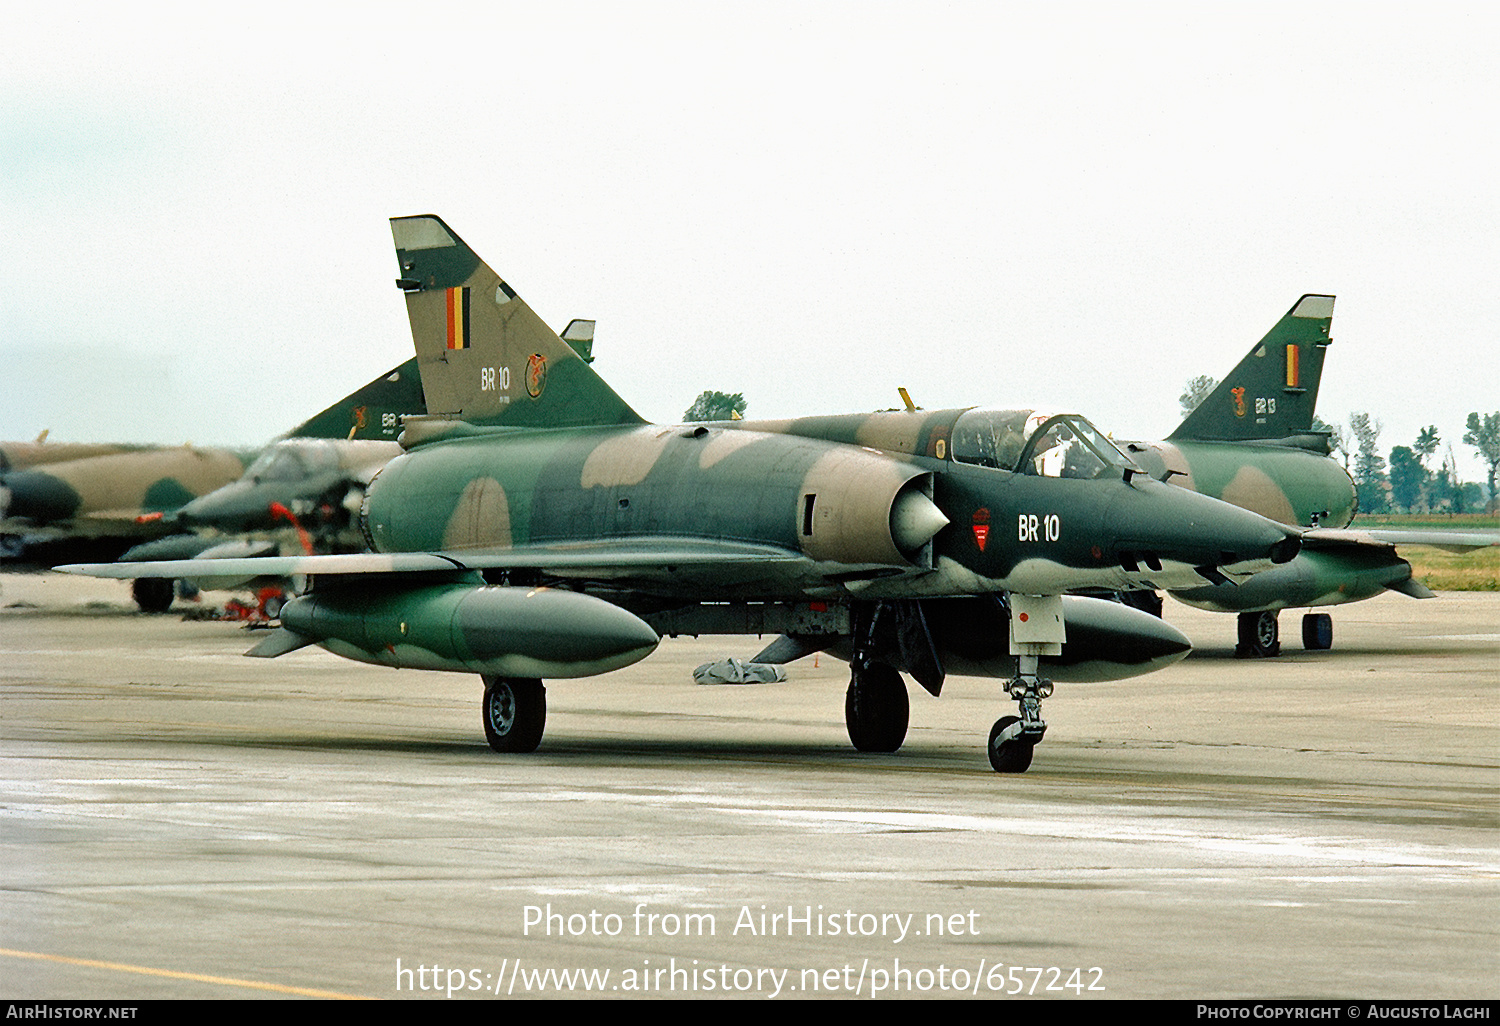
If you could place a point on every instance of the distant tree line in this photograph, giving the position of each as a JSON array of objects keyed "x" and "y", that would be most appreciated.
[
  {"x": 1401, "y": 481},
  {"x": 715, "y": 406}
]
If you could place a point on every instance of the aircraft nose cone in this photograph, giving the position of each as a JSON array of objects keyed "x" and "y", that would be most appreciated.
[
  {"x": 1154, "y": 521},
  {"x": 229, "y": 508},
  {"x": 40, "y": 497},
  {"x": 199, "y": 511},
  {"x": 553, "y": 625}
]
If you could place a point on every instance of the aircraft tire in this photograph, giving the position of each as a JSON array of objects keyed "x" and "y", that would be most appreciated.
[
  {"x": 152, "y": 594},
  {"x": 1259, "y": 635},
  {"x": 877, "y": 709},
  {"x": 1317, "y": 632},
  {"x": 1008, "y": 756},
  {"x": 514, "y": 713}
]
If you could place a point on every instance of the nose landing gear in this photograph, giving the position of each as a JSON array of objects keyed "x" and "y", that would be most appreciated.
[{"x": 1036, "y": 630}]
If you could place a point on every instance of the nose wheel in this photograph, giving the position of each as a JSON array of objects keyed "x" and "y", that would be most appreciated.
[
  {"x": 1008, "y": 753},
  {"x": 1013, "y": 738}
]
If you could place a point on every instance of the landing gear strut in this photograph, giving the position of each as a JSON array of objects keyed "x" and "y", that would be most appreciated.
[
  {"x": 1036, "y": 630},
  {"x": 515, "y": 713},
  {"x": 877, "y": 709}
]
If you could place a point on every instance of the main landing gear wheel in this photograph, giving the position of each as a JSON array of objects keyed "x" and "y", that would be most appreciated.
[
  {"x": 1317, "y": 632},
  {"x": 1009, "y": 754},
  {"x": 877, "y": 709},
  {"x": 515, "y": 713},
  {"x": 152, "y": 594},
  {"x": 1259, "y": 635}
]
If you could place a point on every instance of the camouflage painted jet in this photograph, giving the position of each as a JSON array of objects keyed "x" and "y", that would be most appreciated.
[
  {"x": 311, "y": 481},
  {"x": 319, "y": 471},
  {"x": 96, "y": 501},
  {"x": 16, "y": 456},
  {"x": 63, "y": 501},
  {"x": 536, "y": 526},
  {"x": 1252, "y": 443}
]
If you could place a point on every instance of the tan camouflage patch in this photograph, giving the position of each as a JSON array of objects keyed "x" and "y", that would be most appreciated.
[
  {"x": 782, "y": 426},
  {"x": 121, "y": 481},
  {"x": 481, "y": 519},
  {"x": 365, "y": 456},
  {"x": 625, "y": 459},
  {"x": 1173, "y": 460},
  {"x": 725, "y": 443},
  {"x": 1253, "y": 489},
  {"x": 20, "y": 455}
]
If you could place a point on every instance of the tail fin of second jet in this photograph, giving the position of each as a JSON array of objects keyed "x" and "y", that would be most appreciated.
[
  {"x": 485, "y": 356},
  {"x": 1271, "y": 394},
  {"x": 375, "y": 411}
]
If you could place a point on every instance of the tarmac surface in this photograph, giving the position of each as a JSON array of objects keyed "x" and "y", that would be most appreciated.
[{"x": 177, "y": 821}]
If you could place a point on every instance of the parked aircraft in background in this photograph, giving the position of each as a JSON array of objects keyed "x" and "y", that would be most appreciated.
[
  {"x": 303, "y": 492},
  {"x": 82, "y": 501},
  {"x": 1252, "y": 443},
  {"x": 16, "y": 456}
]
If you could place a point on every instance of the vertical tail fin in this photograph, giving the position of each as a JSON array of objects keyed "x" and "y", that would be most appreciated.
[
  {"x": 484, "y": 355},
  {"x": 374, "y": 411},
  {"x": 1272, "y": 392}
]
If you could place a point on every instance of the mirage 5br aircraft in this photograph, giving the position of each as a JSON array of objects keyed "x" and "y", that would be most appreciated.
[
  {"x": 1252, "y": 443},
  {"x": 535, "y": 526},
  {"x": 310, "y": 481},
  {"x": 74, "y": 501}
]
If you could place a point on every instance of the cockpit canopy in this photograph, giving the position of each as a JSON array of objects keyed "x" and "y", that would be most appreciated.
[
  {"x": 293, "y": 459},
  {"x": 1035, "y": 442}
]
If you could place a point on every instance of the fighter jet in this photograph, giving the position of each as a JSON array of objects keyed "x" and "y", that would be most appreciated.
[
  {"x": 16, "y": 456},
  {"x": 1252, "y": 443},
  {"x": 310, "y": 481},
  {"x": 96, "y": 501},
  {"x": 61, "y": 501},
  {"x": 535, "y": 526},
  {"x": 318, "y": 471}
]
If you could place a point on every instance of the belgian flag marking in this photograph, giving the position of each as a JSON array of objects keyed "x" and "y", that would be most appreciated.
[
  {"x": 458, "y": 318},
  {"x": 1293, "y": 369}
]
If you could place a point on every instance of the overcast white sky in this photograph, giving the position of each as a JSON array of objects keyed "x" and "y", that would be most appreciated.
[{"x": 1064, "y": 204}]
